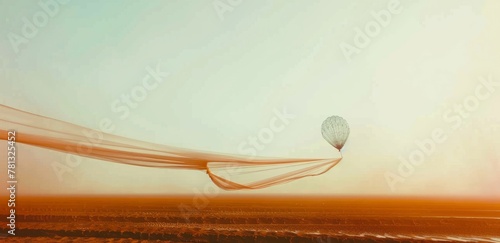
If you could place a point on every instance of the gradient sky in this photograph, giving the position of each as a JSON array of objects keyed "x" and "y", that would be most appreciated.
[{"x": 230, "y": 72}]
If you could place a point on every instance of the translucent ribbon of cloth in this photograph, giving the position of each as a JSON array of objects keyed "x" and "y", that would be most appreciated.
[{"x": 229, "y": 172}]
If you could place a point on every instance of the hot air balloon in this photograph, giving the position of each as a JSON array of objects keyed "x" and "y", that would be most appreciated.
[{"x": 335, "y": 131}]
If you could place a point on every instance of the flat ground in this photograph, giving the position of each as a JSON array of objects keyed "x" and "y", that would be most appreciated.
[{"x": 253, "y": 219}]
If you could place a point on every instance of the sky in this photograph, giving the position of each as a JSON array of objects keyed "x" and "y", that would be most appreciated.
[{"x": 417, "y": 81}]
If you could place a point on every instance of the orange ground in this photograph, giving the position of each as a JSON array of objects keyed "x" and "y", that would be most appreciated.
[{"x": 251, "y": 219}]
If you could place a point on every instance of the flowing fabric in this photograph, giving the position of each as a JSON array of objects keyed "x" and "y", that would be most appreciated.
[{"x": 229, "y": 172}]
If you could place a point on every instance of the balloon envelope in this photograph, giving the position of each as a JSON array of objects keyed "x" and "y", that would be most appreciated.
[{"x": 335, "y": 131}]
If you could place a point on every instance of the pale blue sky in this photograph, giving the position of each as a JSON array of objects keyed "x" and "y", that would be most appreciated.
[{"x": 228, "y": 75}]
